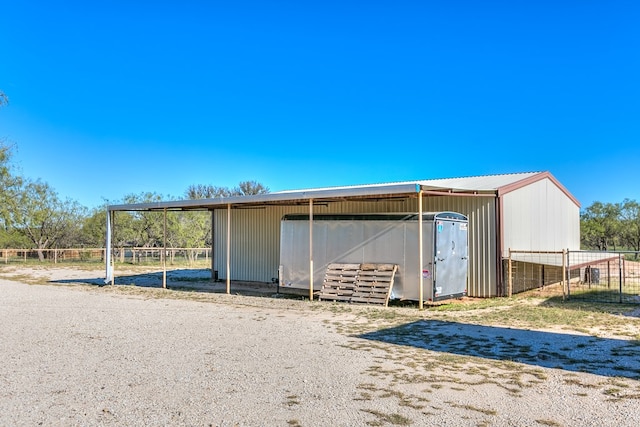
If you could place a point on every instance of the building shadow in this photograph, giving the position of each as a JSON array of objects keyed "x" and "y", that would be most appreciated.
[
  {"x": 569, "y": 352},
  {"x": 197, "y": 280}
]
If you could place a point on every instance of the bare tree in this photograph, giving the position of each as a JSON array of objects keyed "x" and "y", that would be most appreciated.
[
  {"x": 200, "y": 191},
  {"x": 244, "y": 188},
  {"x": 250, "y": 188},
  {"x": 4, "y": 99}
]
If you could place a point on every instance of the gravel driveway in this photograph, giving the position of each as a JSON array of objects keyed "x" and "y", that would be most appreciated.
[{"x": 79, "y": 355}]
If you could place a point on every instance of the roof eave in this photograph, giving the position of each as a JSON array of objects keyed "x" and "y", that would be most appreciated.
[{"x": 275, "y": 198}]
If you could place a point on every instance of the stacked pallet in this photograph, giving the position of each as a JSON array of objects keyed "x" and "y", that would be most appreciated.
[
  {"x": 339, "y": 282},
  {"x": 374, "y": 283},
  {"x": 363, "y": 283}
]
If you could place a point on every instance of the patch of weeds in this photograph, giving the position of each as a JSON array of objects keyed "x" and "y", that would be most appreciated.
[
  {"x": 26, "y": 278},
  {"x": 364, "y": 396},
  {"x": 395, "y": 418},
  {"x": 550, "y": 423},
  {"x": 618, "y": 383},
  {"x": 403, "y": 399},
  {"x": 367, "y": 386},
  {"x": 612, "y": 391},
  {"x": 292, "y": 400},
  {"x": 410, "y": 401},
  {"x": 474, "y": 408}
]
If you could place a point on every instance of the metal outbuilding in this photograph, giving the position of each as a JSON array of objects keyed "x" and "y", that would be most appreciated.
[{"x": 526, "y": 211}]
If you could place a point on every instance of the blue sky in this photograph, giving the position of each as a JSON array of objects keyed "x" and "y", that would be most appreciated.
[{"x": 109, "y": 98}]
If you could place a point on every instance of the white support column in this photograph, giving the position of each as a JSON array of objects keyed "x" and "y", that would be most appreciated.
[
  {"x": 213, "y": 244},
  {"x": 228, "y": 248},
  {"x": 164, "y": 251},
  {"x": 310, "y": 249},
  {"x": 107, "y": 256},
  {"x": 420, "y": 252}
]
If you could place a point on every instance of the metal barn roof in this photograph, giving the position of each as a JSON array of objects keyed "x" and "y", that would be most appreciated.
[
  {"x": 487, "y": 185},
  {"x": 471, "y": 183}
]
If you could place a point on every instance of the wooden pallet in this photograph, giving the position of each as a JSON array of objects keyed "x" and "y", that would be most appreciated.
[
  {"x": 339, "y": 282},
  {"x": 361, "y": 283},
  {"x": 374, "y": 283}
]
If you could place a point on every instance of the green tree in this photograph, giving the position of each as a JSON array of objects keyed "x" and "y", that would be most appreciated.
[
  {"x": 600, "y": 226},
  {"x": 193, "y": 229},
  {"x": 11, "y": 238},
  {"x": 142, "y": 228},
  {"x": 630, "y": 224},
  {"x": 94, "y": 228},
  {"x": 10, "y": 185},
  {"x": 44, "y": 219}
]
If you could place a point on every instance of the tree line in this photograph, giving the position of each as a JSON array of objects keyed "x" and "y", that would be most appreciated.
[
  {"x": 34, "y": 216},
  {"x": 611, "y": 226}
]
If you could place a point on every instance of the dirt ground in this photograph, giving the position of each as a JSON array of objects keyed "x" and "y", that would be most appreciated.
[{"x": 77, "y": 353}]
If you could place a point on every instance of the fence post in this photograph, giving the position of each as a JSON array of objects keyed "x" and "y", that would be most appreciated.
[
  {"x": 510, "y": 281},
  {"x": 568, "y": 274},
  {"x": 564, "y": 274},
  {"x": 621, "y": 274}
]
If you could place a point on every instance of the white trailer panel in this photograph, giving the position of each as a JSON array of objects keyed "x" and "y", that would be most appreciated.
[{"x": 380, "y": 238}]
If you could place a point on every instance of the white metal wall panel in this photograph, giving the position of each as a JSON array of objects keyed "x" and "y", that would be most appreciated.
[
  {"x": 255, "y": 245},
  {"x": 540, "y": 217},
  {"x": 345, "y": 241}
]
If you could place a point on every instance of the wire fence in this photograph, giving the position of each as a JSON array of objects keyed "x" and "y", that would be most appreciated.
[
  {"x": 131, "y": 255},
  {"x": 612, "y": 276}
]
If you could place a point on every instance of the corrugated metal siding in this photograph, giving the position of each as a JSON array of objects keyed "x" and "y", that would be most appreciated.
[
  {"x": 540, "y": 217},
  {"x": 255, "y": 244}
]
